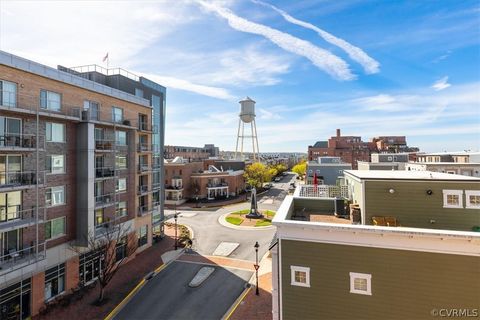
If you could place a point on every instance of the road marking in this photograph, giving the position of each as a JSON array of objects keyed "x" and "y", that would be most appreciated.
[
  {"x": 224, "y": 249},
  {"x": 216, "y": 265},
  {"x": 236, "y": 304}
]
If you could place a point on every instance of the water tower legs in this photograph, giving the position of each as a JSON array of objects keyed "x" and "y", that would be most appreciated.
[{"x": 241, "y": 138}]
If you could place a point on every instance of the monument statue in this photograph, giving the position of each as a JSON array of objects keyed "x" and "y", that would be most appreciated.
[{"x": 254, "y": 213}]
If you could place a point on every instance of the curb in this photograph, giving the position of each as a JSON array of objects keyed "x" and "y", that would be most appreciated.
[
  {"x": 224, "y": 223},
  {"x": 137, "y": 288}
]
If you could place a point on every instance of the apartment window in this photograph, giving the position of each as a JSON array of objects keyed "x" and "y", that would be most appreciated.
[
  {"x": 121, "y": 138},
  {"x": 473, "y": 199},
  {"x": 361, "y": 283},
  {"x": 452, "y": 198},
  {"x": 55, "y": 132},
  {"x": 55, "y": 196},
  {"x": 56, "y": 164},
  {"x": 117, "y": 114},
  {"x": 121, "y": 185},
  {"x": 139, "y": 92},
  {"x": 55, "y": 228},
  {"x": 300, "y": 276},
  {"x": 121, "y": 162},
  {"x": 92, "y": 108},
  {"x": 10, "y": 205},
  {"x": 8, "y": 96},
  {"x": 99, "y": 217},
  {"x": 50, "y": 100},
  {"x": 54, "y": 281},
  {"x": 142, "y": 235},
  {"x": 121, "y": 209}
]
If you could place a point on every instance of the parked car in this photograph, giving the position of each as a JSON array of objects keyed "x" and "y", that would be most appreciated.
[
  {"x": 277, "y": 179},
  {"x": 267, "y": 185}
]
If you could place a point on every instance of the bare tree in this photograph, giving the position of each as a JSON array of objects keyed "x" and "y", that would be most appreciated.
[{"x": 113, "y": 248}]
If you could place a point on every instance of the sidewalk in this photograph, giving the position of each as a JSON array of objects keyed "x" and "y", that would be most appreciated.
[
  {"x": 259, "y": 307},
  {"x": 124, "y": 281}
]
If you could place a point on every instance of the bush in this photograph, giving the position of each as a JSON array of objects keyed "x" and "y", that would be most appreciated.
[
  {"x": 263, "y": 223},
  {"x": 270, "y": 213},
  {"x": 246, "y": 211}
]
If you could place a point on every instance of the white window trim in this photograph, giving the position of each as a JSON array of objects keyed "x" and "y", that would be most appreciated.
[
  {"x": 459, "y": 193},
  {"x": 51, "y": 166},
  {"x": 368, "y": 277},
  {"x": 301, "y": 269},
  {"x": 64, "y": 197},
  {"x": 121, "y": 190},
  {"x": 469, "y": 193}
]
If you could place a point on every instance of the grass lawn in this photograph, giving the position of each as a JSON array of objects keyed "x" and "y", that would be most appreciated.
[
  {"x": 234, "y": 220},
  {"x": 263, "y": 223}
]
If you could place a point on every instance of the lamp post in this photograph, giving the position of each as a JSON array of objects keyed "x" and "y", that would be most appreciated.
[
  {"x": 175, "y": 216},
  {"x": 256, "y": 266}
]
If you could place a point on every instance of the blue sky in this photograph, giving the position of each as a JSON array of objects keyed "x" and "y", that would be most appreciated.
[{"x": 368, "y": 67}]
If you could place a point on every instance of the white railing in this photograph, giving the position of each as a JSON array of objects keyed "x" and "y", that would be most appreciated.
[{"x": 324, "y": 191}]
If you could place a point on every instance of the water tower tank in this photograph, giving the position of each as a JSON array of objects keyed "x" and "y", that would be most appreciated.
[{"x": 247, "y": 110}]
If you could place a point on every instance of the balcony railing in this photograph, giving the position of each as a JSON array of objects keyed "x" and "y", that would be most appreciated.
[
  {"x": 20, "y": 178},
  {"x": 103, "y": 144},
  {"x": 324, "y": 191},
  {"x": 144, "y": 167},
  {"x": 143, "y": 210},
  {"x": 17, "y": 258},
  {"x": 21, "y": 141},
  {"x": 156, "y": 185},
  {"x": 168, "y": 187},
  {"x": 105, "y": 199},
  {"x": 105, "y": 172},
  {"x": 19, "y": 217},
  {"x": 143, "y": 189},
  {"x": 217, "y": 185},
  {"x": 146, "y": 147}
]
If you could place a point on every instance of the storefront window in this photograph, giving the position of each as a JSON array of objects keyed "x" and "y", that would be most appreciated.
[{"x": 54, "y": 281}]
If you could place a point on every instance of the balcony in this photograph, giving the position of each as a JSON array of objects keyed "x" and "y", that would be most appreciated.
[
  {"x": 143, "y": 189},
  {"x": 20, "y": 179},
  {"x": 144, "y": 167},
  {"x": 177, "y": 187},
  {"x": 144, "y": 210},
  {"x": 105, "y": 172},
  {"x": 146, "y": 147},
  {"x": 105, "y": 200},
  {"x": 20, "y": 218},
  {"x": 156, "y": 185},
  {"x": 104, "y": 145},
  {"x": 14, "y": 259},
  {"x": 21, "y": 142}
]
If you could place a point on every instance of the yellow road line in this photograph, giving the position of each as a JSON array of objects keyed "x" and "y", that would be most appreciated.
[
  {"x": 160, "y": 268},
  {"x": 237, "y": 303}
]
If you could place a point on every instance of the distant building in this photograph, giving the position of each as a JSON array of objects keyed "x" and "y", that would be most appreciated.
[
  {"x": 208, "y": 179},
  {"x": 385, "y": 161},
  {"x": 462, "y": 157},
  {"x": 352, "y": 149},
  {"x": 191, "y": 153},
  {"x": 328, "y": 170},
  {"x": 462, "y": 168}
]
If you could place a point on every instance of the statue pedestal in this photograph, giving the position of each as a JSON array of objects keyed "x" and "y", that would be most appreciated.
[{"x": 254, "y": 215}]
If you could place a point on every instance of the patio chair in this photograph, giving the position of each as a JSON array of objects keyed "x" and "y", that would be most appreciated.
[{"x": 379, "y": 221}]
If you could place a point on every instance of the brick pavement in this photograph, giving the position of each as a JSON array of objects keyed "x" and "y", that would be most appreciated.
[
  {"x": 255, "y": 307},
  {"x": 124, "y": 281}
]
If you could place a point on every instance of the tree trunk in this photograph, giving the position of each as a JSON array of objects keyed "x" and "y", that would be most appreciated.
[{"x": 100, "y": 298}]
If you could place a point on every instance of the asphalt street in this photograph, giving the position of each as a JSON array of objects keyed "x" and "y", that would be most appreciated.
[{"x": 168, "y": 296}]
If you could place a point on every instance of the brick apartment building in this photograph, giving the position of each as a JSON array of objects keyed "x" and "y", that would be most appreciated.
[
  {"x": 76, "y": 157},
  {"x": 199, "y": 180},
  {"x": 352, "y": 149},
  {"x": 191, "y": 153}
]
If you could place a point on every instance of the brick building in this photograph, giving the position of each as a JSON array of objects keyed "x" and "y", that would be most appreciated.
[
  {"x": 208, "y": 179},
  {"x": 352, "y": 149},
  {"x": 76, "y": 157},
  {"x": 191, "y": 153}
]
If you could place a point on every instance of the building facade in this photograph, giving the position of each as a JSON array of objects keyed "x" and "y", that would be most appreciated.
[
  {"x": 191, "y": 153},
  {"x": 463, "y": 168},
  {"x": 72, "y": 158},
  {"x": 325, "y": 267}
]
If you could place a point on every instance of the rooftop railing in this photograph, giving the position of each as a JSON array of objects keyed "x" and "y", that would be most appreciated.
[{"x": 324, "y": 191}]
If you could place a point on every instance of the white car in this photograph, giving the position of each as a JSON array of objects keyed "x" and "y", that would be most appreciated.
[{"x": 277, "y": 179}]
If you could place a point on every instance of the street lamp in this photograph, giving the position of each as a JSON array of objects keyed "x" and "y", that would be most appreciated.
[
  {"x": 176, "y": 217},
  {"x": 256, "y": 266}
]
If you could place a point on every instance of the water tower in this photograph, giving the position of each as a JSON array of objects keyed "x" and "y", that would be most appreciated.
[{"x": 247, "y": 115}]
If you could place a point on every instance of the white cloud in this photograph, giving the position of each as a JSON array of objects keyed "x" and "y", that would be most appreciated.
[
  {"x": 369, "y": 64},
  {"x": 267, "y": 115},
  {"x": 181, "y": 84},
  {"x": 323, "y": 59},
  {"x": 441, "y": 84}
]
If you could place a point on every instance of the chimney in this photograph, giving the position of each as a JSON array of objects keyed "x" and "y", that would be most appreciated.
[{"x": 338, "y": 133}]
